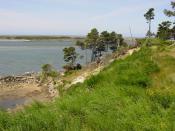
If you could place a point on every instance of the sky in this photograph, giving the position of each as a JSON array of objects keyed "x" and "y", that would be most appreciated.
[{"x": 78, "y": 17}]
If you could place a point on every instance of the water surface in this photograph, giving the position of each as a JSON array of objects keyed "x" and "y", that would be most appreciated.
[
  {"x": 18, "y": 57},
  {"x": 11, "y": 103}
]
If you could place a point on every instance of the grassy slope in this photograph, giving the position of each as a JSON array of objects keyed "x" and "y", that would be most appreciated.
[{"x": 137, "y": 93}]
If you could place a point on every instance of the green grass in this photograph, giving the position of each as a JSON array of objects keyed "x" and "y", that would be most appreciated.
[
  {"x": 133, "y": 94},
  {"x": 154, "y": 41}
]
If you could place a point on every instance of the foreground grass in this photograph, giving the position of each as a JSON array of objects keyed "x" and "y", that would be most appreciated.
[{"x": 137, "y": 93}]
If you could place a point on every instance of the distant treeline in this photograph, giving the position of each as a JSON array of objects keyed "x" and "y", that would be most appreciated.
[{"x": 12, "y": 37}]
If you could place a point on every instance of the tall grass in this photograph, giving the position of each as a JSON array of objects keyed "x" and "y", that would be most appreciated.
[{"x": 121, "y": 97}]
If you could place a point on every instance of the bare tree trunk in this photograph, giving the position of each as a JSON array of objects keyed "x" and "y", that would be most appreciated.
[
  {"x": 150, "y": 29},
  {"x": 93, "y": 55},
  {"x": 107, "y": 46},
  {"x": 86, "y": 55},
  {"x": 174, "y": 31},
  {"x": 118, "y": 43}
]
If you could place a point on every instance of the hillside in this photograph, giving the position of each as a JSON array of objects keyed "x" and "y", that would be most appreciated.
[{"x": 135, "y": 93}]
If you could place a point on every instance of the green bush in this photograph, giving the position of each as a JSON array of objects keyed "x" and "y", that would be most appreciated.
[{"x": 48, "y": 71}]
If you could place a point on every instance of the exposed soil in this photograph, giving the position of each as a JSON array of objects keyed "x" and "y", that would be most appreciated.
[
  {"x": 22, "y": 94},
  {"x": 13, "y": 94}
]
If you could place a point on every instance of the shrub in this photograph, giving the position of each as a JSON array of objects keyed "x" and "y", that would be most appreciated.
[
  {"x": 48, "y": 71},
  {"x": 68, "y": 68},
  {"x": 78, "y": 67}
]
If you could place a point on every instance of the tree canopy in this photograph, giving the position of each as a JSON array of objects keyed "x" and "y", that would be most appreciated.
[
  {"x": 164, "y": 30},
  {"x": 101, "y": 42},
  {"x": 170, "y": 13},
  {"x": 70, "y": 55},
  {"x": 149, "y": 16}
]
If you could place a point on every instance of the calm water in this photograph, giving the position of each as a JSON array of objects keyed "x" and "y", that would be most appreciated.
[
  {"x": 12, "y": 103},
  {"x": 18, "y": 57}
]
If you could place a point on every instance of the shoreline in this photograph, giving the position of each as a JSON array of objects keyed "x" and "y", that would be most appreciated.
[
  {"x": 30, "y": 40},
  {"x": 14, "y": 40},
  {"x": 21, "y": 88},
  {"x": 35, "y": 73},
  {"x": 25, "y": 74},
  {"x": 37, "y": 37}
]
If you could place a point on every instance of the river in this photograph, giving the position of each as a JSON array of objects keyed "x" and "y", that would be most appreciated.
[{"x": 18, "y": 57}]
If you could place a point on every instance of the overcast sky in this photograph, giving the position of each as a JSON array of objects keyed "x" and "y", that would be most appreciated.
[{"x": 77, "y": 17}]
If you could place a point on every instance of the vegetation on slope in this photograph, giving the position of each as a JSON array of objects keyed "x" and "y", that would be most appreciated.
[{"x": 136, "y": 93}]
